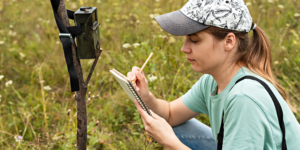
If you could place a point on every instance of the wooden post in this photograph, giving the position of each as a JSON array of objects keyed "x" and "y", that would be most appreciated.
[{"x": 81, "y": 94}]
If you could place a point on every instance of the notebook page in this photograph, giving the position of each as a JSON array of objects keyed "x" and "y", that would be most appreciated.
[{"x": 123, "y": 82}]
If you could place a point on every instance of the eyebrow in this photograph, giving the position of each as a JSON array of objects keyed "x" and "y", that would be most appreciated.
[{"x": 194, "y": 34}]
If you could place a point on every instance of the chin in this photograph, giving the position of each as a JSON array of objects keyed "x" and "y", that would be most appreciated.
[{"x": 198, "y": 69}]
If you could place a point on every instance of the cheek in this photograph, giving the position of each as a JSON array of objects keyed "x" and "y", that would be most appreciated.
[
  {"x": 208, "y": 55},
  {"x": 205, "y": 53}
]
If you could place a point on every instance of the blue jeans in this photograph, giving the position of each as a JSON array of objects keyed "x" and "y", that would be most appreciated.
[{"x": 195, "y": 135}]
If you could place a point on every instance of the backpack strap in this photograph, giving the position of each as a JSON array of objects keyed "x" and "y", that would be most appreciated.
[
  {"x": 277, "y": 107},
  {"x": 67, "y": 43}
]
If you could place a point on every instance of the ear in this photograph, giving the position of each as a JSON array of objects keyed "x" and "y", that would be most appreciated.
[{"x": 230, "y": 41}]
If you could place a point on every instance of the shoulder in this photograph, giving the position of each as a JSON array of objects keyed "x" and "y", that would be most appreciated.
[{"x": 249, "y": 92}]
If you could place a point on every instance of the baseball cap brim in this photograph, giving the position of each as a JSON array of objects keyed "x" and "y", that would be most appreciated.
[{"x": 177, "y": 23}]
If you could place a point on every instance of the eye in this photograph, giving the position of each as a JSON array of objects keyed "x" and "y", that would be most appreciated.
[
  {"x": 227, "y": 2},
  {"x": 193, "y": 41}
]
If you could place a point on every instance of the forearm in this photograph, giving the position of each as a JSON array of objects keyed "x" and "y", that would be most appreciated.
[
  {"x": 159, "y": 106},
  {"x": 176, "y": 144}
]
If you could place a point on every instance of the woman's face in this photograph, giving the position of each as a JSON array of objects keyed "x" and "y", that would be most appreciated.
[{"x": 205, "y": 53}]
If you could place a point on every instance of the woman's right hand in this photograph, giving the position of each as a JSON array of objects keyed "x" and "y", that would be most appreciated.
[{"x": 141, "y": 84}]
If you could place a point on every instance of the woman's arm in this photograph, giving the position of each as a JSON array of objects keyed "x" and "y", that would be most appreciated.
[
  {"x": 160, "y": 130},
  {"x": 175, "y": 112}
]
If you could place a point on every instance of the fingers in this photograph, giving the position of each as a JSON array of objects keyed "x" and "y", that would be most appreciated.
[
  {"x": 133, "y": 72},
  {"x": 140, "y": 76},
  {"x": 147, "y": 128},
  {"x": 135, "y": 68},
  {"x": 154, "y": 115},
  {"x": 142, "y": 112},
  {"x": 143, "y": 81},
  {"x": 131, "y": 76}
]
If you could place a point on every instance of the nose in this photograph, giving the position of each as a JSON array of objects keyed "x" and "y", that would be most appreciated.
[{"x": 185, "y": 47}]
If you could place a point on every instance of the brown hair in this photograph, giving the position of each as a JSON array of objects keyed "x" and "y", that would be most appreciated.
[{"x": 256, "y": 55}]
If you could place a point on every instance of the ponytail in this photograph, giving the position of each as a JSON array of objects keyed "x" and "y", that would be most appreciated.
[
  {"x": 258, "y": 59},
  {"x": 256, "y": 56}
]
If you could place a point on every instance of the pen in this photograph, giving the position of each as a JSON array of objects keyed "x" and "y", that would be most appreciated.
[{"x": 144, "y": 65}]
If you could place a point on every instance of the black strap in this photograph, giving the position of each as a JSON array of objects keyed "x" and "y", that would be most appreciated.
[
  {"x": 277, "y": 107},
  {"x": 66, "y": 42}
]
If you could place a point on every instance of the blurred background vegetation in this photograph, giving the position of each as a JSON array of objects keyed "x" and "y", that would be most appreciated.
[{"x": 37, "y": 109}]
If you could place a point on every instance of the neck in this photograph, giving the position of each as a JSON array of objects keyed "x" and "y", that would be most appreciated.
[{"x": 224, "y": 75}]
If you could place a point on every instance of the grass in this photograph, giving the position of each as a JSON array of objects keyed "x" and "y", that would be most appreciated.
[{"x": 38, "y": 105}]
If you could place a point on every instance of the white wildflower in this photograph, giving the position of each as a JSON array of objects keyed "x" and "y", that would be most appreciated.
[
  {"x": 0, "y": 98},
  {"x": 18, "y": 138},
  {"x": 1, "y": 42},
  {"x": 153, "y": 15},
  {"x": 126, "y": 45},
  {"x": 46, "y": 21},
  {"x": 154, "y": 22},
  {"x": 22, "y": 55},
  {"x": 12, "y": 33},
  {"x": 276, "y": 62},
  {"x": 1, "y": 77},
  {"x": 47, "y": 88},
  {"x": 57, "y": 42},
  {"x": 270, "y": 1},
  {"x": 280, "y": 6},
  {"x": 248, "y": 3},
  {"x": 172, "y": 40},
  {"x": 130, "y": 53},
  {"x": 162, "y": 36},
  {"x": 11, "y": 26},
  {"x": 157, "y": 0},
  {"x": 8, "y": 83},
  {"x": 297, "y": 15},
  {"x": 136, "y": 45},
  {"x": 151, "y": 78}
]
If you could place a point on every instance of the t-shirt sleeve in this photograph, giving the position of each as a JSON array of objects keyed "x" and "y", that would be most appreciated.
[
  {"x": 194, "y": 99},
  {"x": 246, "y": 127}
]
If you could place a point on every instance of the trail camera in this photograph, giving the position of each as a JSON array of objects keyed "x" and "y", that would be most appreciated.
[{"x": 88, "y": 42}]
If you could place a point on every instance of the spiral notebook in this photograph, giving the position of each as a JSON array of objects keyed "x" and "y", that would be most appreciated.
[{"x": 128, "y": 87}]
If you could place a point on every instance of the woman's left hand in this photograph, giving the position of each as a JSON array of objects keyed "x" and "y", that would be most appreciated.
[{"x": 158, "y": 128}]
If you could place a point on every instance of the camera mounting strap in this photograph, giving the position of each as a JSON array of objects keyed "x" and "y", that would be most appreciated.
[
  {"x": 277, "y": 108},
  {"x": 66, "y": 37}
]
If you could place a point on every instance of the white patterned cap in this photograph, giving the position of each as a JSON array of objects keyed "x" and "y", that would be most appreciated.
[{"x": 197, "y": 15}]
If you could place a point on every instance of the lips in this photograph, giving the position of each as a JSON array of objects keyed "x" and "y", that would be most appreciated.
[{"x": 190, "y": 60}]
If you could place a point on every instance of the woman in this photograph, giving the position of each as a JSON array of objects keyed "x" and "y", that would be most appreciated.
[{"x": 244, "y": 114}]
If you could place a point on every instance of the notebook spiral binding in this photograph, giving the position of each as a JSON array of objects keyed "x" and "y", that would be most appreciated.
[{"x": 138, "y": 98}]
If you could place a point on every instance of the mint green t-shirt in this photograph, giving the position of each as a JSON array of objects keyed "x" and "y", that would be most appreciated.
[{"x": 250, "y": 118}]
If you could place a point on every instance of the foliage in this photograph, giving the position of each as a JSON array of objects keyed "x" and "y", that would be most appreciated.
[{"x": 37, "y": 109}]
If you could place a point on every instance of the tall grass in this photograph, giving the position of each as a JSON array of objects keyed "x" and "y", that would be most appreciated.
[{"x": 37, "y": 109}]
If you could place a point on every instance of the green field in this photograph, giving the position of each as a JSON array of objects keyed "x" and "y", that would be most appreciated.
[{"x": 37, "y": 108}]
